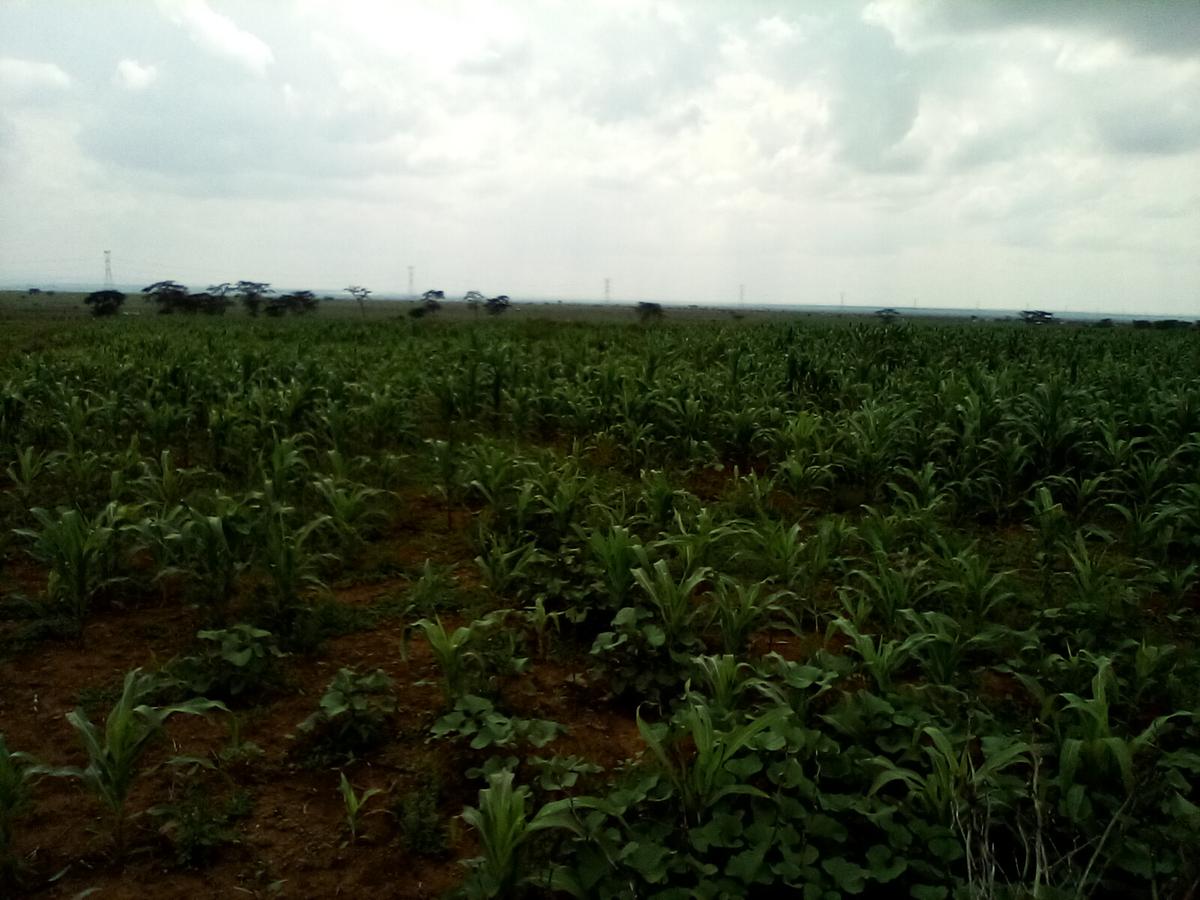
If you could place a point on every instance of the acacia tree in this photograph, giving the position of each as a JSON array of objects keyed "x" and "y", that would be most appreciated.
[
  {"x": 252, "y": 294},
  {"x": 171, "y": 296},
  {"x": 497, "y": 305},
  {"x": 216, "y": 299},
  {"x": 473, "y": 299},
  {"x": 297, "y": 303},
  {"x": 360, "y": 294},
  {"x": 212, "y": 302}
]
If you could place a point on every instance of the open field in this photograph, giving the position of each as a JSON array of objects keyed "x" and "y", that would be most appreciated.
[{"x": 516, "y": 607}]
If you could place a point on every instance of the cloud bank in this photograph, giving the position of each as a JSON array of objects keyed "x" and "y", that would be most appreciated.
[{"x": 987, "y": 154}]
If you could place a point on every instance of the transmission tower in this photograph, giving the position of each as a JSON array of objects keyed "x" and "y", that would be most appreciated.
[
  {"x": 410, "y": 282},
  {"x": 607, "y": 289},
  {"x": 108, "y": 278}
]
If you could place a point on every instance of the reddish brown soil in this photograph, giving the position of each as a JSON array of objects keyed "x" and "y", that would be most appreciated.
[{"x": 294, "y": 842}]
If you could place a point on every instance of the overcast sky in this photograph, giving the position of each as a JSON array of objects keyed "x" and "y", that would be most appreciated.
[{"x": 997, "y": 154}]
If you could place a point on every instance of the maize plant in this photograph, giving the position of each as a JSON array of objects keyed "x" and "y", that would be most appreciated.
[
  {"x": 702, "y": 777},
  {"x": 955, "y": 788},
  {"x": 504, "y": 568},
  {"x": 881, "y": 658},
  {"x": 115, "y": 752},
  {"x": 505, "y": 829},
  {"x": 81, "y": 555},
  {"x": 163, "y": 483},
  {"x": 350, "y": 509},
  {"x": 675, "y": 612},
  {"x": 26, "y": 469},
  {"x": 739, "y": 609},
  {"x": 459, "y": 653},
  {"x": 354, "y": 803},
  {"x": 617, "y": 553},
  {"x": 18, "y": 772},
  {"x": 212, "y": 552},
  {"x": 293, "y": 570},
  {"x": 1091, "y": 747}
]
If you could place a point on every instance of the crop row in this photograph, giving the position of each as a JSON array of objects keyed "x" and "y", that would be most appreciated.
[{"x": 896, "y": 610}]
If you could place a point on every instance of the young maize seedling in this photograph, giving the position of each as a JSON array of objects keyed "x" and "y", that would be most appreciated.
[{"x": 354, "y": 804}]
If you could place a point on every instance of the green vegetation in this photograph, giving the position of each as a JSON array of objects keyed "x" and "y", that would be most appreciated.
[
  {"x": 17, "y": 774},
  {"x": 354, "y": 717},
  {"x": 115, "y": 753},
  {"x": 827, "y": 609}
]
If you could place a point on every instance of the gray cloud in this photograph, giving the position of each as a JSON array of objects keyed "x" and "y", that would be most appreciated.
[
  {"x": 1169, "y": 27},
  {"x": 648, "y": 66},
  {"x": 875, "y": 105},
  {"x": 1158, "y": 125}
]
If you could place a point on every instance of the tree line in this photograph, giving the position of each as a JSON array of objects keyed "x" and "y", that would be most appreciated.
[{"x": 258, "y": 297}]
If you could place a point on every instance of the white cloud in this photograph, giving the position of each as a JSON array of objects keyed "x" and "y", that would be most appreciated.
[
  {"x": 134, "y": 76},
  {"x": 218, "y": 33},
  {"x": 24, "y": 79}
]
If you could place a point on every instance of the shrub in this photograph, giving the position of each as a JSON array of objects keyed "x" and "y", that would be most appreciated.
[
  {"x": 234, "y": 662},
  {"x": 355, "y": 716},
  {"x": 105, "y": 303}
]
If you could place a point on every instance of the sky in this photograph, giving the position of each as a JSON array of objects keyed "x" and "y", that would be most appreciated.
[{"x": 1007, "y": 154}]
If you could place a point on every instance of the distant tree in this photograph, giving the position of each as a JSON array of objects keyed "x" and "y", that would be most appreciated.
[
  {"x": 473, "y": 300},
  {"x": 105, "y": 303},
  {"x": 217, "y": 299},
  {"x": 33, "y": 291},
  {"x": 1037, "y": 317},
  {"x": 431, "y": 301},
  {"x": 887, "y": 314},
  {"x": 360, "y": 294},
  {"x": 212, "y": 302},
  {"x": 171, "y": 296},
  {"x": 648, "y": 312},
  {"x": 297, "y": 303},
  {"x": 252, "y": 294},
  {"x": 496, "y": 305}
]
